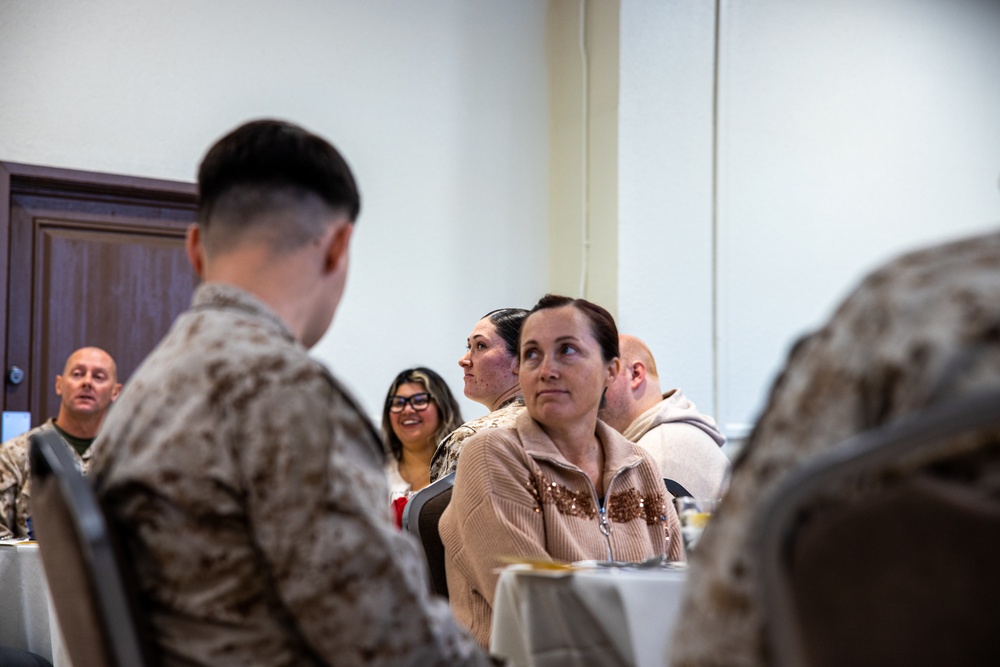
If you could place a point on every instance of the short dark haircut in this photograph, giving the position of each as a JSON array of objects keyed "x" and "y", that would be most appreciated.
[
  {"x": 602, "y": 325},
  {"x": 507, "y": 322},
  {"x": 451, "y": 414},
  {"x": 268, "y": 166}
]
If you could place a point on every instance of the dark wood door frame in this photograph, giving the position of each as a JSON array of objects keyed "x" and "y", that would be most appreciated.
[{"x": 79, "y": 186}]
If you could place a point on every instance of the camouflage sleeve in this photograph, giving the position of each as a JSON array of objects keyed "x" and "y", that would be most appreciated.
[
  {"x": 355, "y": 586},
  {"x": 13, "y": 476},
  {"x": 445, "y": 459},
  {"x": 8, "y": 494}
]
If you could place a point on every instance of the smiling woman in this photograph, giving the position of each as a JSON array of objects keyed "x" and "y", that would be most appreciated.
[
  {"x": 559, "y": 485},
  {"x": 419, "y": 410}
]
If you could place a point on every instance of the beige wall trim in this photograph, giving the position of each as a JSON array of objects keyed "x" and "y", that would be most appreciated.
[{"x": 583, "y": 225}]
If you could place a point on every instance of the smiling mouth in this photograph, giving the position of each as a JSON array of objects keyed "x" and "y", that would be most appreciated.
[{"x": 409, "y": 422}]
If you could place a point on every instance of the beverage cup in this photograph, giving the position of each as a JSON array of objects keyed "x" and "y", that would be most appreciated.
[{"x": 694, "y": 514}]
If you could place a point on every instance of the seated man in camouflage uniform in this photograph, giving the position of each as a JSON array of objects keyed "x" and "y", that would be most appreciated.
[
  {"x": 248, "y": 484},
  {"x": 87, "y": 388}
]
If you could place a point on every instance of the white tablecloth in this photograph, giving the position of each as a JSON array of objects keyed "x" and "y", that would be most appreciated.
[
  {"x": 601, "y": 616},
  {"x": 27, "y": 617}
]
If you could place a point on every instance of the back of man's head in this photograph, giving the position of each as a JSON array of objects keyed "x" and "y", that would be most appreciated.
[
  {"x": 633, "y": 349},
  {"x": 272, "y": 180}
]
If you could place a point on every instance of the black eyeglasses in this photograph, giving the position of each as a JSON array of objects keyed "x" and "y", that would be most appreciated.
[{"x": 418, "y": 402}]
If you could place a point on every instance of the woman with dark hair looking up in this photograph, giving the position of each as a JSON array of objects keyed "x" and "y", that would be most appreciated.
[{"x": 490, "y": 366}]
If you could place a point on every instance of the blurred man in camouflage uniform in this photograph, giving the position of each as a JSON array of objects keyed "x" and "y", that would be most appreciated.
[{"x": 87, "y": 388}]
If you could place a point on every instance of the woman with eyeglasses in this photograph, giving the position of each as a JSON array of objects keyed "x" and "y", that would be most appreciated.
[{"x": 419, "y": 410}]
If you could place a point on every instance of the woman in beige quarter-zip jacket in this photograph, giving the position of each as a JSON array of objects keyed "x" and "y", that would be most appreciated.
[{"x": 560, "y": 485}]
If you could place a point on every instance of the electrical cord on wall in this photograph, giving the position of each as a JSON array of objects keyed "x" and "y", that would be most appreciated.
[
  {"x": 716, "y": 400},
  {"x": 585, "y": 150}
]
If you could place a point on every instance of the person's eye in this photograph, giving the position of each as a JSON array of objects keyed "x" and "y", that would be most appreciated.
[
  {"x": 480, "y": 346},
  {"x": 568, "y": 349},
  {"x": 530, "y": 354}
]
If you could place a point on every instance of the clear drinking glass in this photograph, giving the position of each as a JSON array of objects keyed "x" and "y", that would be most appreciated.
[{"x": 694, "y": 514}]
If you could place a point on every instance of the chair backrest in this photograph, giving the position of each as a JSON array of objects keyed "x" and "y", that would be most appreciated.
[
  {"x": 420, "y": 517},
  {"x": 83, "y": 570},
  {"x": 675, "y": 489},
  {"x": 905, "y": 574}
]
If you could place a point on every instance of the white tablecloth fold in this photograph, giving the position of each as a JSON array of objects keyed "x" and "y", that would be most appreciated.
[
  {"x": 27, "y": 616},
  {"x": 600, "y": 616}
]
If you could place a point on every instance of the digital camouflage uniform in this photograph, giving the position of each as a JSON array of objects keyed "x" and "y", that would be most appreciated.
[
  {"x": 251, "y": 495},
  {"x": 923, "y": 329},
  {"x": 446, "y": 455},
  {"x": 15, "y": 485}
]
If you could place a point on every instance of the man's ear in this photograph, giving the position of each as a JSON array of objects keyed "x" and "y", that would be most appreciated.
[
  {"x": 117, "y": 389},
  {"x": 336, "y": 252},
  {"x": 637, "y": 374},
  {"x": 195, "y": 251},
  {"x": 59, "y": 385}
]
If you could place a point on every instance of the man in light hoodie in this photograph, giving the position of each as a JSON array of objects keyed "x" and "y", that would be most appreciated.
[{"x": 684, "y": 442}]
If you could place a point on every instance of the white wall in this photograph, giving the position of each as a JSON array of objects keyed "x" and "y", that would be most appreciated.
[
  {"x": 665, "y": 238},
  {"x": 848, "y": 131},
  {"x": 440, "y": 106}
]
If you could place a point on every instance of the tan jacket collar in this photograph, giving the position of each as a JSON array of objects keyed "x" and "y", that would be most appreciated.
[{"x": 618, "y": 452}]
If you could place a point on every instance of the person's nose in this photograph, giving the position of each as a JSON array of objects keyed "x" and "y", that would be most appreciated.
[
  {"x": 464, "y": 360},
  {"x": 548, "y": 369}
]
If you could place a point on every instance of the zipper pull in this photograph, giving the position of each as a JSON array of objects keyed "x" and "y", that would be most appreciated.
[{"x": 605, "y": 528}]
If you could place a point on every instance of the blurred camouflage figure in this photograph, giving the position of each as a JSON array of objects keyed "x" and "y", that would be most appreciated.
[{"x": 923, "y": 329}]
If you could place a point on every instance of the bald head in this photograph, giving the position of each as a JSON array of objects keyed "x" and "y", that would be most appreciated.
[
  {"x": 635, "y": 389},
  {"x": 87, "y": 388},
  {"x": 632, "y": 349},
  {"x": 95, "y": 356}
]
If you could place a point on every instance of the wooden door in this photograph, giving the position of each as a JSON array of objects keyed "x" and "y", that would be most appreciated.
[{"x": 86, "y": 259}]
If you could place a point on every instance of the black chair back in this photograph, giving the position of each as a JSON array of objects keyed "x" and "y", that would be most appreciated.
[
  {"x": 905, "y": 570},
  {"x": 675, "y": 488},
  {"x": 92, "y": 603},
  {"x": 420, "y": 517}
]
